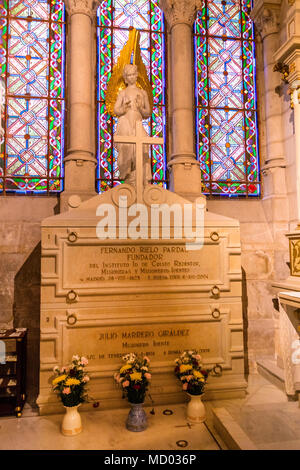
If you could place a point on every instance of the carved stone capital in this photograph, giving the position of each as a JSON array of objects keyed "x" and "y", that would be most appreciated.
[
  {"x": 84, "y": 7},
  {"x": 180, "y": 11},
  {"x": 266, "y": 16}
]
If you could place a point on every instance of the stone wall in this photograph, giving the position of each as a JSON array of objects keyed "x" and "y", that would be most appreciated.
[
  {"x": 263, "y": 261},
  {"x": 20, "y": 271}
]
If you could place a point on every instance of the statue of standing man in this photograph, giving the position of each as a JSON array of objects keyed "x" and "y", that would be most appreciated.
[{"x": 129, "y": 98}]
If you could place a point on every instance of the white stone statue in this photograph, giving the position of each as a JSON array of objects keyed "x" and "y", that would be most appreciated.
[
  {"x": 132, "y": 105},
  {"x": 129, "y": 98}
]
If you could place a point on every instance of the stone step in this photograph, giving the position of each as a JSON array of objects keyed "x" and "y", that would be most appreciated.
[
  {"x": 230, "y": 431},
  {"x": 266, "y": 419},
  {"x": 268, "y": 369}
]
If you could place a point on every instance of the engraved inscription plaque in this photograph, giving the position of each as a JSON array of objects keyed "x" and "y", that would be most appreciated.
[
  {"x": 101, "y": 266},
  {"x": 105, "y": 346}
]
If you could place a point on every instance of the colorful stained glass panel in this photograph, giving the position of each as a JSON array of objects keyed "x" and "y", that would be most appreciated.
[
  {"x": 115, "y": 18},
  {"x": 38, "y": 9},
  {"x": 225, "y": 73},
  {"x": 32, "y": 83},
  {"x": 227, "y": 145},
  {"x": 224, "y": 18},
  {"x": 132, "y": 14},
  {"x": 226, "y": 98}
]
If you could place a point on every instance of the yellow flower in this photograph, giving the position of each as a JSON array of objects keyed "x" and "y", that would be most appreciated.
[
  {"x": 72, "y": 381},
  {"x": 127, "y": 366},
  {"x": 198, "y": 374},
  {"x": 185, "y": 367},
  {"x": 58, "y": 379},
  {"x": 136, "y": 376}
]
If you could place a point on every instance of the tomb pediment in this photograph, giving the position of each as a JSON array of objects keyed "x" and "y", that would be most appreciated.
[{"x": 152, "y": 195}]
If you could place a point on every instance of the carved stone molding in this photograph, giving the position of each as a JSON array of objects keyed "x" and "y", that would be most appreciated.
[
  {"x": 84, "y": 7},
  {"x": 180, "y": 11},
  {"x": 266, "y": 17}
]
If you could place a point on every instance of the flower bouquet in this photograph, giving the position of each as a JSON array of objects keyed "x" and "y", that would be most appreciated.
[
  {"x": 190, "y": 372},
  {"x": 70, "y": 385},
  {"x": 134, "y": 377},
  {"x": 193, "y": 377}
]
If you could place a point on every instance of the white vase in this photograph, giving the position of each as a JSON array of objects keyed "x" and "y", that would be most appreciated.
[
  {"x": 71, "y": 424},
  {"x": 195, "y": 409}
]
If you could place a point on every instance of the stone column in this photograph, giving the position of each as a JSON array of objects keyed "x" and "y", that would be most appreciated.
[
  {"x": 266, "y": 17},
  {"x": 80, "y": 161},
  {"x": 185, "y": 174},
  {"x": 295, "y": 97},
  {"x": 288, "y": 57}
]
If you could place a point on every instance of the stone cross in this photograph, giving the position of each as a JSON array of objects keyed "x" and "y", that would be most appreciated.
[{"x": 139, "y": 140}]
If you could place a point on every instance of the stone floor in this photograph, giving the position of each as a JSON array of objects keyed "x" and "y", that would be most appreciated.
[
  {"x": 105, "y": 430},
  {"x": 264, "y": 418}
]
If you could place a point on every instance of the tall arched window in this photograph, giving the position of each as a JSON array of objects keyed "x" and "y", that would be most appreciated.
[
  {"x": 226, "y": 98},
  {"x": 115, "y": 18},
  {"x": 32, "y": 36}
]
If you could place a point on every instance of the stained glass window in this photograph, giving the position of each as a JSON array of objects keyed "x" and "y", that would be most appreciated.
[
  {"x": 115, "y": 18},
  {"x": 226, "y": 98},
  {"x": 32, "y": 93}
]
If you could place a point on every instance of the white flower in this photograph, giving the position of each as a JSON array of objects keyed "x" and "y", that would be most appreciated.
[
  {"x": 130, "y": 358},
  {"x": 85, "y": 378},
  {"x": 84, "y": 361},
  {"x": 75, "y": 358},
  {"x": 56, "y": 369}
]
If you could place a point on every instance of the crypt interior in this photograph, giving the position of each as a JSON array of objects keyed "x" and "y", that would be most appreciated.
[{"x": 225, "y": 77}]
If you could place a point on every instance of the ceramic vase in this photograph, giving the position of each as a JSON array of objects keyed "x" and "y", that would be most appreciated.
[
  {"x": 137, "y": 419},
  {"x": 71, "y": 424},
  {"x": 195, "y": 409}
]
